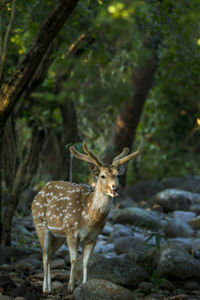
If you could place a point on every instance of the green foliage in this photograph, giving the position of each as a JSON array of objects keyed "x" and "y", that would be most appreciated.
[{"x": 99, "y": 78}]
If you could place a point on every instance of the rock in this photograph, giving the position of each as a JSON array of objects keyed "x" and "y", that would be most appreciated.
[
  {"x": 7, "y": 253},
  {"x": 195, "y": 208},
  {"x": 108, "y": 228},
  {"x": 4, "y": 297},
  {"x": 174, "y": 199},
  {"x": 104, "y": 247},
  {"x": 120, "y": 230},
  {"x": 192, "y": 285},
  {"x": 183, "y": 215},
  {"x": 189, "y": 183},
  {"x": 177, "y": 228},
  {"x": 143, "y": 190},
  {"x": 195, "y": 223},
  {"x": 6, "y": 283},
  {"x": 99, "y": 289},
  {"x": 36, "y": 263},
  {"x": 136, "y": 216},
  {"x": 176, "y": 262},
  {"x": 23, "y": 268},
  {"x": 126, "y": 244},
  {"x": 146, "y": 285},
  {"x": 186, "y": 243},
  {"x": 58, "y": 264},
  {"x": 31, "y": 295},
  {"x": 120, "y": 270}
]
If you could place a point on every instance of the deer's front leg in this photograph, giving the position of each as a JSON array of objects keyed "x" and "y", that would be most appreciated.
[
  {"x": 87, "y": 250},
  {"x": 73, "y": 250}
]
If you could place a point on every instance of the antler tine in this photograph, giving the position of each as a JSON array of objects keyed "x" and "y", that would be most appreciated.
[
  {"x": 82, "y": 156},
  {"x": 130, "y": 156},
  {"x": 92, "y": 155},
  {"x": 116, "y": 159}
]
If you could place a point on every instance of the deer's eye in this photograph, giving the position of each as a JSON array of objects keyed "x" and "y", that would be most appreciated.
[{"x": 103, "y": 176}]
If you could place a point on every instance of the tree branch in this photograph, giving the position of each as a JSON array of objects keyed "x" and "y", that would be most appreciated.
[
  {"x": 12, "y": 90},
  {"x": 6, "y": 39}
]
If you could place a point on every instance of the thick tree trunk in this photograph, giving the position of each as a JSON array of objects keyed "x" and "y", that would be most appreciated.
[
  {"x": 15, "y": 86},
  {"x": 69, "y": 136},
  {"x": 124, "y": 130},
  {"x": 22, "y": 179}
]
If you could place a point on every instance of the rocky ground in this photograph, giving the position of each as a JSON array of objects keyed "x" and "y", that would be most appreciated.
[{"x": 149, "y": 249}]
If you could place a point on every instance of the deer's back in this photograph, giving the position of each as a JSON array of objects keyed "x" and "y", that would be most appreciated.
[{"x": 60, "y": 206}]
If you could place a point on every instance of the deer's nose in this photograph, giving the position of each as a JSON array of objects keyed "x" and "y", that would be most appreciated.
[{"x": 114, "y": 186}]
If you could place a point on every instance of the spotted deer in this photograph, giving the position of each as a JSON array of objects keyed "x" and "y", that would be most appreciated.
[{"x": 76, "y": 212}]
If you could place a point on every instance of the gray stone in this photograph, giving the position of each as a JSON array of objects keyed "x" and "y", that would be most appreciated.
[
  {"x": 174, "y": 199},
  {"x": 178, "y": 228},
  {"x": 36, "y": 263},
  {"x": 143, "y": 190},
  {"x": 6, "y": 253},
  {"x": 127, "y": 244},
  {"x": 120, "y": 270},
  {"x": 136, "y": 216},
  {"x": 189, "y": 183},
  {"x": 103, "y": 247},
  {"x": 4, "y": 297},
  {"x": 120, "y": 230},
  {"x": 99, "y": 289},
  {"x": 108, "y": 228},
  {"x": 192, "y": 285},
  {"x": 23, "y": 268},
  {"x": 183, "y": 215},
  {"x": 58, "y": 264},
  {"x": 146, "y": 285},
  {"x": 176, "y": 262},
  {"x": 195, "y": 223}
]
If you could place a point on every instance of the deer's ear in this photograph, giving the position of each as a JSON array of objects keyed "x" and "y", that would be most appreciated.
[
  {"x": 122, "y": 169},
  {"x": 94, "y": 169}
]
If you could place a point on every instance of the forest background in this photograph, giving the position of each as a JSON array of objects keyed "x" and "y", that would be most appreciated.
[{"x": 107, "y": 72}]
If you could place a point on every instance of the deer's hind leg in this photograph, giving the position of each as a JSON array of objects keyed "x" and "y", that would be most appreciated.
[{"x": 49, "y": 245}]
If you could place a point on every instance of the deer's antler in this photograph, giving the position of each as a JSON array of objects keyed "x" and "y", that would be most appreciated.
[
  {"x": 116, "y": 159},
  {"x": 90, "y": 157},
  {"x": 91, "y": 154},
  {"x": 122, "y": 158}
]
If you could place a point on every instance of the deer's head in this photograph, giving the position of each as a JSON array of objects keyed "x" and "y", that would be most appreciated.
[{"x": 107, "y": 174}]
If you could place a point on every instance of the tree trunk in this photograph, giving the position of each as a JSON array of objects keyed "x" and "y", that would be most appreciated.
[
  {"x": 69, "y": 136},
  {"x": 15, "y": 86},
  {"x": 124, "y": 130},
  {"x": 22, "y": 179}
]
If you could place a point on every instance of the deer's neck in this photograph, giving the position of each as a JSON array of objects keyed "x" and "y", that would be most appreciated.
[{"x": 100, "y": 201}]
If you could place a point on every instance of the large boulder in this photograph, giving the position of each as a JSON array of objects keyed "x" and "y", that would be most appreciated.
[
  {"x": 188, "y": 183},
  {"x": 176, "y": 262},
  {"x": 136, "y": 216},
  {"x": 178, "y": 228},
  {"x": 173, "y": 199},
  {"x": 99, "y": 289},
  {"x": 143, "y": 190},
  {"x": 119, "y": 270}
]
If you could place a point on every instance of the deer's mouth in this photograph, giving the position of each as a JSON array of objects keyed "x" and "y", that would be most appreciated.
[{"x": 113, "y": 193}]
